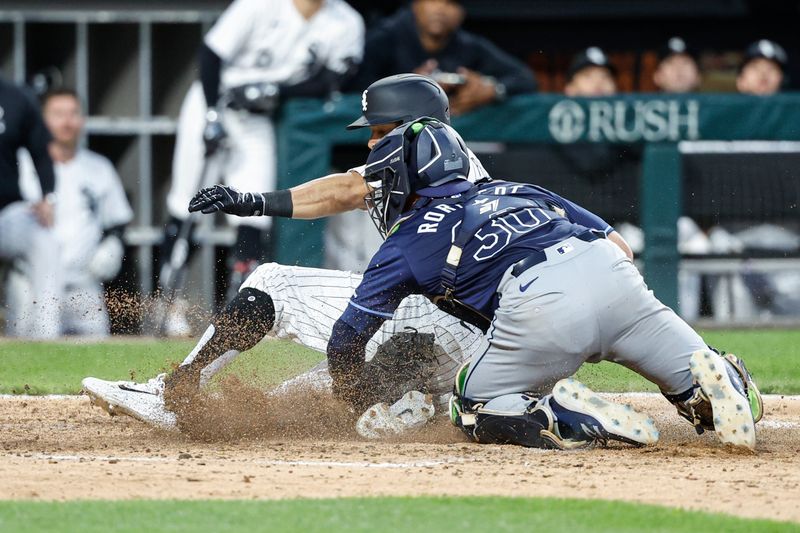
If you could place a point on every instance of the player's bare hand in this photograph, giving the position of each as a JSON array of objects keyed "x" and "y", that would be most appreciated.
[
  {"x": 44, "y": 212},
  {"x": 228, "y": 200},
  {"x": 476, "y": 91}
]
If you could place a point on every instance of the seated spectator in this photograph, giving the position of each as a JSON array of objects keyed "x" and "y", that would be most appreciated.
[
  {"x": 90, "y": 215},
  {"x": 677, "y": 70},
  {"x": 591, "y": 74},
  {"x": 762, "y": 70},
  {"x": 428, "y": 39}
]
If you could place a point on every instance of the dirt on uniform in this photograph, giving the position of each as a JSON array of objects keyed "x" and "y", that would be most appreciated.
[{"x": 64, "y": 449}]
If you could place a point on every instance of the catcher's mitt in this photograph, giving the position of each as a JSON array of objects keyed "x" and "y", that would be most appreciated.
[{"x": 406, "y": 362}]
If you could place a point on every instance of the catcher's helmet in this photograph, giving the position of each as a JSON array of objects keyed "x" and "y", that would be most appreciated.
[
  {"x": 425, "y": 157},
  {"x": 402, "y": 98}
]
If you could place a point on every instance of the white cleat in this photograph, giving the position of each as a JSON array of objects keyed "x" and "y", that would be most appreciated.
[
  {"x": 142, "y": 401},
  {"x": 733, "y": 419},
  {"x": 619, "y": 421},
  {"x": 411, "y": 411}
]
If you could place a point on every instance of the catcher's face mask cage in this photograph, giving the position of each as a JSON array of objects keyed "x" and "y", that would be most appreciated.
[
  {"x": 387, "y": 200},
  {"x": 389, "y": 176}
]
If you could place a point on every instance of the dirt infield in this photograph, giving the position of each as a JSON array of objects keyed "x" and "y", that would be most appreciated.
[{"x": 64, "y": 449}]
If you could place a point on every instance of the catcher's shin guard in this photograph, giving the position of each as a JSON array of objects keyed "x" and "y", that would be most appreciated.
[
  {"x": 572, "y": 417},
  {"x": 695, "y": 406}
]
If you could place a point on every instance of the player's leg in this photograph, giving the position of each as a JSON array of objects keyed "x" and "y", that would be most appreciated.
[
  {"x": 35, "y": 247},
  {"x": 251, "y": 166},
  {"x": 295, "y": 303},
  {"x": 544, "y": 329},
  {"x": 641, "y": 333}
]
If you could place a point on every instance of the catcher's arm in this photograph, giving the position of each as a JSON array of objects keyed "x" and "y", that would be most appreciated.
[{"x": 346, "y": 363}]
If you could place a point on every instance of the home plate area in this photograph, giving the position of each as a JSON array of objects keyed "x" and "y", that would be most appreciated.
[{"x": 61, "y": 448}]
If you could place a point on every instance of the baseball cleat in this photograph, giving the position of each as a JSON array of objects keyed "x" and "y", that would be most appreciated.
[
  {"x": 723, "y": 385},
  {"x": 753, "y": 394},
  {"x": 411, "y": 411},
  {"x": 142, "y": 401},
  {"x": 580, "y": 412}
]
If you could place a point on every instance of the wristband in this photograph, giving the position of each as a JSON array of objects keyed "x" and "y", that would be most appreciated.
[{"x": 278, "y": 203}]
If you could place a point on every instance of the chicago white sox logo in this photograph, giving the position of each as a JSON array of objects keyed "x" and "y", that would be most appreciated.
[{"x": 364, "y": 101}]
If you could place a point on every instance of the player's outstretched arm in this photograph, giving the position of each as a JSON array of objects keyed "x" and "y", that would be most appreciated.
[
  {"x": 329, "y": 195},
  {"x": 322, "y": 197}
]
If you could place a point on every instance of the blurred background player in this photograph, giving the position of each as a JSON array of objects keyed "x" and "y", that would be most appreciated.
[
  {"x": 762, "y": 69},
  {"x": 591, "y": 74},
  {"x": 257, "y": 53},
  {"x": 427, "y": 38},
  {"x": 25, "y": 228},
  {"x": 89, "y": 222},
  {"x": 677, "y": 70}
]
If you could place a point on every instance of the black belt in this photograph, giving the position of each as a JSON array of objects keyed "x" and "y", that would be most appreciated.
[{"x": 538, "y": 256}]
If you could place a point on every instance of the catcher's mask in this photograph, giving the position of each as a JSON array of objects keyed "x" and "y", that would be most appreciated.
[{"x": 422, "y": 158}]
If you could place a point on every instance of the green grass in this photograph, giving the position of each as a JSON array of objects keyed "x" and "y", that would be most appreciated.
[
  {"x": 367, "y": 514},
  {"x": 57, "y": 368}
]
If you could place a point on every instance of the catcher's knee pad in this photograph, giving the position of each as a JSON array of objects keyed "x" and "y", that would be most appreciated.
[{"x": 695, "y": 406}]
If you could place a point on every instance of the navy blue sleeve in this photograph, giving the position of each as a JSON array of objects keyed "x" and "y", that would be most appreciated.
[
  {"x": 387, "y": 280},
  {"x": 578, "y": 214},
  {"x": 346, "y": 351}
]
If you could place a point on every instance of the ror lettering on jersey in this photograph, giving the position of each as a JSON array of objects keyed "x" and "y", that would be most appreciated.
[{"x": 433, "y": 217}]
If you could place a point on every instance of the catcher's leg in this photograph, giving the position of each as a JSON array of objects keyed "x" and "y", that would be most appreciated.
[
  {"x": 644, "y": 335},
  {"x": 571, "y": 417},
  {"x": 724, "y": 398}
]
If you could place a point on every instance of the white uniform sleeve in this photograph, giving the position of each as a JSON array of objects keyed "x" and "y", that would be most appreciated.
[
  {"x": 349, "y": 48},
  {"x": 231, "y": 32},
  {"x": 114, "y": 209},
  {"x": 359, "y": 170}
]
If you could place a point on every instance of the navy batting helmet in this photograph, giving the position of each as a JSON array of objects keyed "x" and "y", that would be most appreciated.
[
  {"x": 424, "y": 158},
  {"x": 402, "y": 98}
]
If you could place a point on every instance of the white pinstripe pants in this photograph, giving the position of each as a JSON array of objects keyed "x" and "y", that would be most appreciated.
[{"x": 308, "y": 301}]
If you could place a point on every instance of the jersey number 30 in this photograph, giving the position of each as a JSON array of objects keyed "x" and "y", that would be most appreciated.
[{"x": 500, "y": 232}]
